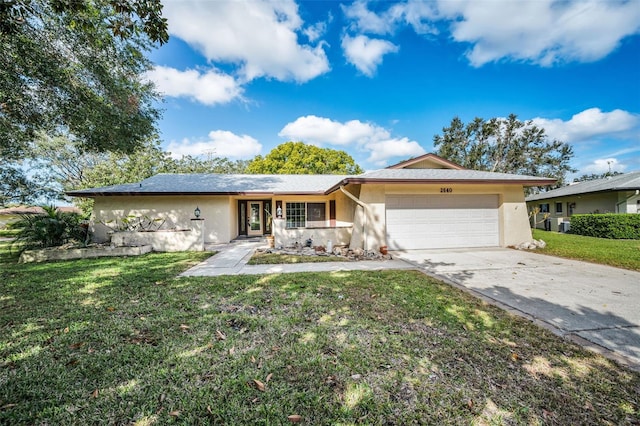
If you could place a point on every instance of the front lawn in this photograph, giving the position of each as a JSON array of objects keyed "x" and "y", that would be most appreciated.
[
  {"x": 619, "y": 253},
  {"x": 122, "y": 341}
]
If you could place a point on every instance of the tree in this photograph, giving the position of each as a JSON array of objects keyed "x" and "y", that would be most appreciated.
[
  {"x": 595, "y": 176},
  {"x": 75, "y": 67},
  {"x": 504, "y": 145},
  {"x": 299, "y": 158},
  {"x": 60, "y": 165}
]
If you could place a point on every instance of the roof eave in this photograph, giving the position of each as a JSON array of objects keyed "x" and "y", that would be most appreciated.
[
  {"x": 575, "y": 194},
  {"x": 173, "y": 193},
  {"x": 523, "y": 182}
]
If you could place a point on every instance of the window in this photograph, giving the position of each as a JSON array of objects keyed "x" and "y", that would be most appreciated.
[
  {"x": 544, "y": 208},
  {"x": 316, "y": 214},
  {"x": 295, "y": 215},
  {"x": 558, "y": 207},
  {"x": 301, "y": 215}
]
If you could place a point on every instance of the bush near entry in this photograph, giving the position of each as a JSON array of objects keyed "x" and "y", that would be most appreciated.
[{"x": 613, "y": 226}]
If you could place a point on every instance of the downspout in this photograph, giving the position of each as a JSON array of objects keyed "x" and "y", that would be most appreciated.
[{"x": 365, "y": 209}]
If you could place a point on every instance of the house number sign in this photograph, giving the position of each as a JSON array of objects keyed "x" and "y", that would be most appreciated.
[{"x": 446, "y": 190}]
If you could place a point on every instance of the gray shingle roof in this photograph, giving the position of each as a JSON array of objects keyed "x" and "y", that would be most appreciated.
[
  {"x": 451, "y": 175},
  {"x": 168, "y": 184},
  {"x": 209, "y": 184},
  {"x": 624, "y": 182}
]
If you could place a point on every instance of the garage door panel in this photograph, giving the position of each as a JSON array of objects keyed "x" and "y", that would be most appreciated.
[{"x": 442, "y": 221}]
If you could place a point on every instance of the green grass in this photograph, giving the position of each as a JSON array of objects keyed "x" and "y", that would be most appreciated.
[
  {"x": 8, "y": 233},
  {"x": 122, "y": 341},
  {"x": 276, "y": 258},
  {"x": 619, "y": 253}
]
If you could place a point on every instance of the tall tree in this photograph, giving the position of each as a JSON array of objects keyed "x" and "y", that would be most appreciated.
[
  {"x": 59, "y": 164},
  {"x": 75, "y": 66},
  {"x": 505, "y": 145},
  {"x": 299, "y": 158}
]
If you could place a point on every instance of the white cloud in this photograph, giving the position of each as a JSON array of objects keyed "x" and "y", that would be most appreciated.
[
  {"x": 603, "y": 165},
  {"x": 260, "y": 37},
  {"x": 417, "y": 13},
  {"x": 209, "y": 87},
  {"x": 220, "y": 143},
  {"x": 320, "y": 131},
  {"x": 365, "y": 53},
  {"x": 317, "y": 30},
  {"x": 544, "y": 32},
  {"x": 368, "y": 137},
  {"x": 588, "y": 124},
  {"x": 383, "y": 150},
  {"x": 366, "y": 21}
]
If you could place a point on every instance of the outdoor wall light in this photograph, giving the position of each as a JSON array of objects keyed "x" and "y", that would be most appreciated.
[{"x": 196, "y": 212}]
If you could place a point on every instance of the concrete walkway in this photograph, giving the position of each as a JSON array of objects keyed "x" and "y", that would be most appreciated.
[
  {"x": 233, "y": 257},
  {"x": 594, "y": 305}
]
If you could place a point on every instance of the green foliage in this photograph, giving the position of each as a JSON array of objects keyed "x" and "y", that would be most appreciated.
[
  {"x": 611, "y": 225},
  {"x": 15, "y": 187},
  {"x": 505, "y": 146},
  {"x": 76, "y": 67},
  {"x": 125, "y": 18},
  {"x": 61, "y": 164},
  {"x": 595, "y": 176},
  {"x": 51, "y": 229},
  {"x": 298, "y": 158}
]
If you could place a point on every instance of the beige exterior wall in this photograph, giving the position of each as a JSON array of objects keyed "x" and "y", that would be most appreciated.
[
  {"x": 374, "y": 223},
  {"x": 176, "y": 210},
  {"x": 339, "y": 236}
]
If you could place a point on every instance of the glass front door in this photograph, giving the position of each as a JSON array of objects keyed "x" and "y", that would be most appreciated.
[{"x": 255, "y": 218}]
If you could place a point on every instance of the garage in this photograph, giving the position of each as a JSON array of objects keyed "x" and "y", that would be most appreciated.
[{"x": 442, "y": 221}]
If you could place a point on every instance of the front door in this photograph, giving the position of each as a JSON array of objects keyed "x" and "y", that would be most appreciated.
[{"x": 255, "y": 218}]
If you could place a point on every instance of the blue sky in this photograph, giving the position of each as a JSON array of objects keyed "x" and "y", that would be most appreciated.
[{"x": 380, "y": 79}]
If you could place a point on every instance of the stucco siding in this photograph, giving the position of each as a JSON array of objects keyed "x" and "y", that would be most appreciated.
[
  {"x": 513, "y": 216},
  {"x": 176, "y": 210},
  {"x": 374, "y": 216}
]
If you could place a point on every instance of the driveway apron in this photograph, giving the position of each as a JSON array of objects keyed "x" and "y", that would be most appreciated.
[{"x": 600, "y": 304}]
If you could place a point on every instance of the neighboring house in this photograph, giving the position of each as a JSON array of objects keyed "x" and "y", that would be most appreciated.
[
  {"x": 615, "y": 194},
  {"x": 12, "y": 214},
  {"x": 426, "y": 202}
]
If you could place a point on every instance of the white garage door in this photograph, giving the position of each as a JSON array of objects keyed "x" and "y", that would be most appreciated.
[{"x": 442, "y": 221}]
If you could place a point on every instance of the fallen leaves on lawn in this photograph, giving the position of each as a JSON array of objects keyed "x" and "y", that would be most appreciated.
[
  {"x": 259, "y": 385},
  {"x": 174, "y": 413},
  {"x": 7, "y": 406},
  {"x": 184, "y": 327},
  {"x": 94, "y": 394},
  {"x": 220, "y": 335},
  {"x": 295, "y": 418}
]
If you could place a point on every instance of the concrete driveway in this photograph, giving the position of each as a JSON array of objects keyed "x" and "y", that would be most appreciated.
[{"x": 578, "y": 300}]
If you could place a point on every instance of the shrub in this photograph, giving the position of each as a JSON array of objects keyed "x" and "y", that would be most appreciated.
[
  {"x": 614, "y": 226},
  {"x": 49, "y": 229}
]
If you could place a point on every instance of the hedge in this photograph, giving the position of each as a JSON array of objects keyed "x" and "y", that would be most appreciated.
[{"x": 614, "y": 226}]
